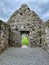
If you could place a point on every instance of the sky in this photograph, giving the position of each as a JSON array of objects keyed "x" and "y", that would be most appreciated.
[{"x": 41, "y": 7}]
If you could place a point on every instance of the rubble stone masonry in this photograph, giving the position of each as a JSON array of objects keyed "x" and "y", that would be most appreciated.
[{"x": 4, "y": 35}]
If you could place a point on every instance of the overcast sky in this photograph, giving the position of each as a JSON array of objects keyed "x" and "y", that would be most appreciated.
[{"x": 41, "y": 7}]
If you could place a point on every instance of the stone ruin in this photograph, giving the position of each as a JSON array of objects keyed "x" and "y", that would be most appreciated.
[
  {"x": 25, "y": 21},
  {"x": 4, "y": 35},
  {"x": 46, "y": 43},
  {"x": 22, "y": 22}
]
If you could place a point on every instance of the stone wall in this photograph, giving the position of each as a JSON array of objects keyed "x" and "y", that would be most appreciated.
[
  {"x": 14, "y": 39},
  {"x": 46, "y": 38},
  {"x": 4, "y": 35},
  {"x": 25, "y": 19}
]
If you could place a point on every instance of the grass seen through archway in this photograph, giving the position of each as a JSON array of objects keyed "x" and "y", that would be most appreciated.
[{"x": 24, "y": 41}]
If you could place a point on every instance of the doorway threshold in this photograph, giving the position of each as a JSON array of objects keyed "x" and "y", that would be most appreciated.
[{"x": 24, "y": 46}]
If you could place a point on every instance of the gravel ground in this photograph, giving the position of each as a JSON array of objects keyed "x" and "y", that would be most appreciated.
[{"x": 24, "y": 56}]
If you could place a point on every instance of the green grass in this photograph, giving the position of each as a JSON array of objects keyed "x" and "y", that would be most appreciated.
[{"x": 24, "y": 41}]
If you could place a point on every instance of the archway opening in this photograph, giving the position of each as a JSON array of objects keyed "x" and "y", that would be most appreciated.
[{"x": 24, "y": 38}]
